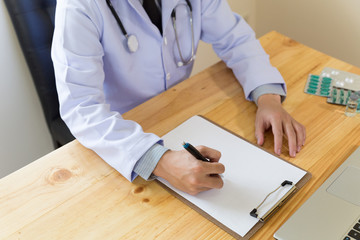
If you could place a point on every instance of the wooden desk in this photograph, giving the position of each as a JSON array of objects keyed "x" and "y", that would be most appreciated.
[{"x": 72, "y": 194}]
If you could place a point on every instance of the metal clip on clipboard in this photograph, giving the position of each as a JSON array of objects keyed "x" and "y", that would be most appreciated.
[{"x": 272, "y": 210}]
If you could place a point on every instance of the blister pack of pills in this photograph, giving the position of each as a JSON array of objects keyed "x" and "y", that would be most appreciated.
[
  {"x": 341, "y": 96},
  {"x": 336, "y": 85},
  {"x": 343, "y": 84},
  {"x": 318, "y": 85},
  {"x": 342, "y": 79}
]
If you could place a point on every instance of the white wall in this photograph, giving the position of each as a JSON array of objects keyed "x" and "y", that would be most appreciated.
[
  {"x": 24, "y": 134},
  {"x": 330, "y": 26}
]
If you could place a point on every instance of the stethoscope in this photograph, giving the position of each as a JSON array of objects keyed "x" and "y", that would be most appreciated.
[{"x": 132, "y": 41}]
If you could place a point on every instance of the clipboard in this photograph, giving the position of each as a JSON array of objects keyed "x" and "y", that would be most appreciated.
[{"x": 200, "y": 131}]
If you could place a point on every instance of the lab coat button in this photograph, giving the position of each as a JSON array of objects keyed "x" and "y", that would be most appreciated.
[
  {"x": 168, "y": 76},
  {"x": 165, "y": 41}
]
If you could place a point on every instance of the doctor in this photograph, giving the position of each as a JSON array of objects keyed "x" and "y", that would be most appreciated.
[{"x": 112, "y": 55}]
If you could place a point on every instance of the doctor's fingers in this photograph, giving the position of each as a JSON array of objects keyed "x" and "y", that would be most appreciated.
[
  {"x": 291, "y": 137},
  {"x": 213, "y": 168},
  {"x": 300, "y": 134},
  {"x": 295, "y": 134},
  {"x": 214, "y": 181},
  {"x": 199, "y": 183},
  {"x": 210, "y": 153},
  {"x": 277, "y": 130},
  {"x": 206, "y": 174}
]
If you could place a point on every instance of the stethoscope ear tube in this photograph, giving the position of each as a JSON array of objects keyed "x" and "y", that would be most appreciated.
[
  {"x": 131, "y": 40},
  {"x": 116, "y": 17},
  {"x": 189, "y": 4}
]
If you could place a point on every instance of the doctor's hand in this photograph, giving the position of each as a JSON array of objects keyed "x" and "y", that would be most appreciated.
[
  {"x": 189, "y": 174},
  {"x": 270, "y": 113}
]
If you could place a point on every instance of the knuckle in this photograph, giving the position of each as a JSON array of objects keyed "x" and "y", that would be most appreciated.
[
  {"x": 300, "y": 127},
  {"x": 289, "y": 118},
  {"x": 197, "y": 168},
  {"x": 200, "y": 148},
  {"x": 276, "y": 116},
  {"x": 291, "y": 133},
  {"x": 193, "y": 192},
  {"x": 279, "y": 134},
  {"x": 194, "y": 181}
]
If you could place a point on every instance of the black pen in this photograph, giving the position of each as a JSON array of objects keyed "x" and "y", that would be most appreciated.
[{"x": 193, "y": 151}]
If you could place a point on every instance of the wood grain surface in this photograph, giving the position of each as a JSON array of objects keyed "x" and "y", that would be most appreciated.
[{"x": 71, "y": 193}]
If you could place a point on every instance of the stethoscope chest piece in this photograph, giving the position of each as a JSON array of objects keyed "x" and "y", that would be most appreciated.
[{"x": 132, "y": 43}]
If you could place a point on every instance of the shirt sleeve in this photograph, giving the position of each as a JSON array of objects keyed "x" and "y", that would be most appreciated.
[
  {"x": 147, "y": 163},
  {"x": 268, "y": 89},
  {"x": 235, "y": 43}
]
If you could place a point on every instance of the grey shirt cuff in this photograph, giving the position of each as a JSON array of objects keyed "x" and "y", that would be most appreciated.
[
  {"x": 147, "y": 163},
  {"x": 272, "y": 88}
]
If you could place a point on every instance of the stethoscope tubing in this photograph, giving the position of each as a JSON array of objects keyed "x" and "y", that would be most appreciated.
[
  {"x": 132, "y": 41},
  {"x": 112, "y": 9},
  {"x": 192, "y": 57}
]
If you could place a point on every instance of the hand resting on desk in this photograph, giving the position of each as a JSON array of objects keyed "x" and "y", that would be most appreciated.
[
  {"x": 270, "y": 113},
  {"x": 185, "y": 172}
]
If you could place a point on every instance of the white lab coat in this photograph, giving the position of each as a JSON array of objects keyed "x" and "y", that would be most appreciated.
[{"x": 98, "y": 78}]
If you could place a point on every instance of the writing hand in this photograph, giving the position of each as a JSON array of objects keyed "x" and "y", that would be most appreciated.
[{"x": 185, "y": 172}]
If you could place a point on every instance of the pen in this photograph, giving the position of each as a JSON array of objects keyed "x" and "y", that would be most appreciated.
[{"x": 193, "y": 151}]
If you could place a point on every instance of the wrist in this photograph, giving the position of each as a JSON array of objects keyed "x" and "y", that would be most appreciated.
[
  {"x": 159, "y": 168},
  {"x": 147, "y": 163},
  {"x": 268, "y": 98}
]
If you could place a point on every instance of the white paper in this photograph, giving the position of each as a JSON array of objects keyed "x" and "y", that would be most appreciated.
[{"x": 250, "y": 175}]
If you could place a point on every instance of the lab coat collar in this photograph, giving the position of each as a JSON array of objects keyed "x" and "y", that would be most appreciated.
[{"x": 139, "y": 9}]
